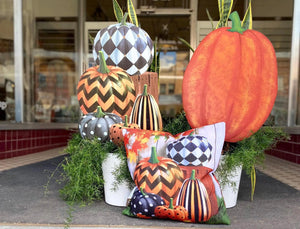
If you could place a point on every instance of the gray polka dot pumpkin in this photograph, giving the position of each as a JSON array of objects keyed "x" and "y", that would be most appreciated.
[
  {"x": 126, "y": 46},
  {"x": 97, "y": 125}
]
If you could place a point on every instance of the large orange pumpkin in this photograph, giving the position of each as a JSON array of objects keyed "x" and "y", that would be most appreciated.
[
  {"x": 106, "y": 86},
  {"x": 231, "y": 78}
]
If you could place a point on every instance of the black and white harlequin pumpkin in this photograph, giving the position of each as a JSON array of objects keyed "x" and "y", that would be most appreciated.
[
  {"x": 190, "y": 150},
  {"x": 96, "y": 125},
  {"x": 143, "y": 204},
  {"x": 126, "y": 46}
]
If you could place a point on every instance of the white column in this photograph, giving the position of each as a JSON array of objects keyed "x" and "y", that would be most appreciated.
[
  {"x": 294, "y": 67},
  {"x": 18, "y": 61}
]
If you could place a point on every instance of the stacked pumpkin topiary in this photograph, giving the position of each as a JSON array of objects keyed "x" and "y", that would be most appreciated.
[
  {"x": 121, "y": 51},
  {"x": 106, "y": 95}
]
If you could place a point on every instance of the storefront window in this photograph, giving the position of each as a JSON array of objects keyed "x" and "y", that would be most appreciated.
[
  {"x": 174, "y": 57},
  {"x": 7, "y": 79},
  {"x": 276, "y": 25},
  {"x": 51, "y": 61},
  {"x": 163, "y": 3},
  {"x": 102, "y": 10}
]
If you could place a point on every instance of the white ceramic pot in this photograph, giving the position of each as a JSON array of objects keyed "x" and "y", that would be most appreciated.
[
  {"x": 113, "y": 197},
  {"x": 230, "y": 193}
]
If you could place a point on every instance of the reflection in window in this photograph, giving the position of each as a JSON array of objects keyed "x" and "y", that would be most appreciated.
[
  {"x": 163, "y": 89},
  {"x": 171, "y": 89},
  {"x": 7, "y": 76}
]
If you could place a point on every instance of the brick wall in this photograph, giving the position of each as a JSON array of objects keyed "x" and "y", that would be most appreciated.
[
  {"x": 20, "y": 142},
  {"x": 288, "y": 150}
]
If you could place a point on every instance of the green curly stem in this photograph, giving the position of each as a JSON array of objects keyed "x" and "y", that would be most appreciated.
[
  {"x": 171, "y": 204},
  {"x": 236, "y": 23},
  {"x": 153, "y": 159},
  {"x": 193, "y": 175},
  {"x": 145, "y": 90},
  {"x": 142, "y": 191},
  {"x": 102, "y": 64},
  {"x": 123, "y": 22},
  {"x": 99, "y": 113}
]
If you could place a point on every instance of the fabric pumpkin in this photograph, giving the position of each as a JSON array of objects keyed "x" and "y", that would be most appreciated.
[
  {"x": 96, "y": 125},
  {"x": 194, "y": 197},
  {"x": 115, "y": 131},
  {"x": 190, "y": 150},
  {"x": 171, "y": 212},
  {"x": 138, "y": 144},
  {"x": 143, "y": 204},
  {"x": 145, "y": 112},
  {"x": 126, "y": 46},
  {"x": 231, "y": 78},
  {"x": 106, "y": 86},
  {"x": 159, "y": 175}
]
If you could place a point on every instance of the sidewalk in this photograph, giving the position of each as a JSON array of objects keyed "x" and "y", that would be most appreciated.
[{"x": 23, "y": 203}]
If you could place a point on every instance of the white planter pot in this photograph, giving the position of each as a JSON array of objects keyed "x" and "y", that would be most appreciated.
[
  {"x": 113, "y": 197},
  {"x": 230, "y": 193}
]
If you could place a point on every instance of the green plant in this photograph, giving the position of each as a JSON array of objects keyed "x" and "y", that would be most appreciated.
[
  {"x": 82, "y": 171},
  {"x": 249, "y": 153},
  {"x": 176, "y": 125},
  {"x": 122, "y": 173},
  {"x": 155, "y": 65}
]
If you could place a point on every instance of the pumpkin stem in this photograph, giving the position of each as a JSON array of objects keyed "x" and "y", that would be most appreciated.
[
  {"x": 193, "y": 175},
  {"x": 171, "y": 204},
  {"x": 142, "y": 191},
  {"x": 236, "y": 23},
  {"x": 126, "y": 121},
  {"x": 153, "y": 159},
  {"x": 102, "y": 64},
  {"x": 123, "y": 22},
  {"x": 99, "y": 113},
  {"x": 145, "y": 90}
]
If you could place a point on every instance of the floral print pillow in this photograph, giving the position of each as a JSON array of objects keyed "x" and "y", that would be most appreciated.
[{"x": 138, "y": 143}]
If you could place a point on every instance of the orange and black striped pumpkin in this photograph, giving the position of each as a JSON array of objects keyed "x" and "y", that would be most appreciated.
[
  {"x": 145, "y": 112},
  {"x": 194, "y": 197},
  {"x": 106, "y": 86},
  {"x": 231, "y": 78},
  {"x": 159, "y": 175}
]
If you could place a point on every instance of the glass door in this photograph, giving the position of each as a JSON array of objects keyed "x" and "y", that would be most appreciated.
[
  {"x": 55, "y": 75},
  {"x": 174, "y": 56}
]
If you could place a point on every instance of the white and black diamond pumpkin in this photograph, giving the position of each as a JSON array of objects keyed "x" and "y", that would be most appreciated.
[
  {"x": 143, "y": 204},
  {"x": 190, "y": 150},
  {"x": 126, "y": 46},
  {"x": 96, "y": 125}
]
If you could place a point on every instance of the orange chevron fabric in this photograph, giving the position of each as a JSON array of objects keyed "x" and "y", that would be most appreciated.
[
  {"x": 114, "y": 91},
  {"x": 164, "y": 178}
]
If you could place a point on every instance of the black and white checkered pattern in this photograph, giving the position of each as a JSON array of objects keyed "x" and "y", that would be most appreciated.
[
  {"x": 190, "y": 150},
  {"x": 126, "y": 46}
]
